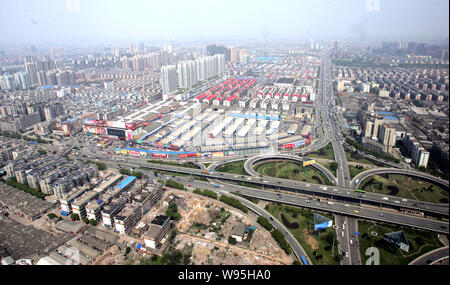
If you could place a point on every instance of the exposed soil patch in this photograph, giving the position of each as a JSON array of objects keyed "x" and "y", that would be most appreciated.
[{"x": 310, "y": 240}]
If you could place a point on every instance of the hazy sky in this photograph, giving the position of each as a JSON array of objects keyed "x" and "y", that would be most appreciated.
[{"x": 42, "y": 20}]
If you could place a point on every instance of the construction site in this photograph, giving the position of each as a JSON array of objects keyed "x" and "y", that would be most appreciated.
[{"x": 206, "y": 226}]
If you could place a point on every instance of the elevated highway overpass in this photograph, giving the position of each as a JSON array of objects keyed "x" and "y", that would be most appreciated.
[
  {"x": 356, "y": 181},
  {"x": 329, "y": 192}
]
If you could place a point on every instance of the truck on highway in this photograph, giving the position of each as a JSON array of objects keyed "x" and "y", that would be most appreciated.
[
  {"x": 207, "y": 172},
  {"x": 304, "y": 261},
  {"x": 216, "y": 186},
  {"x": 385, "y": 198}
]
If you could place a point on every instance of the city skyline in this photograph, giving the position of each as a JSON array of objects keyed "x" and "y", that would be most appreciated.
[{"x": 358, "y": 20}]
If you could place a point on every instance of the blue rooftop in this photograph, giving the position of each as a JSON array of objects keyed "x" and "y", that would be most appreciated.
[
  {"x": 391, "y": 118},
  {"x": 125, "y": 182},
  {"x": 46, "y": 87},
  {"x": 384, "y": 113}
]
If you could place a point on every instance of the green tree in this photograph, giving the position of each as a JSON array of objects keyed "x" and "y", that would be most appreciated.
[
  {"x": 138, "y": 174},
  {"x": 75, "y": 217},
  {"x": 172, "y": 212},
  {"x": 334, "y": 166},
  {"x": 86, "y": 220},
  {"x": 232, "y": 240},
  {"x": 93, "y": 222},
  {"x": 265, "y": 223},
  {"x": 51, "y": 216}
]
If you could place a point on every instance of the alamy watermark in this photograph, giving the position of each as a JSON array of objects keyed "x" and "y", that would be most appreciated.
[
  {"x": 73, "y": 5},
  {"x": 374, "y": 254},
  {"x": 373, "y": 5}
]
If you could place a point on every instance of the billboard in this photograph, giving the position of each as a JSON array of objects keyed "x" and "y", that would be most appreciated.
[
  {"x": 134, "y": 152},
  {"x": 130, "y": 126},
  {"x": 321, "y": 222},
  {"x": 161, "y": 155},
  {"x": 124, "y": 151},
  {"x": 289, "y": 145},
  {"x": 116, "y": 132},
  {"x": 94, "y": 130},
  {"x": 216, "y": 154},
  {"x": 116, "y": 124},
  {"x": 92, "y": 122},
  {"x": 398, "y": 239},
  {"x": 308, "y": 161},
  {"x": 299, "y": 143}
]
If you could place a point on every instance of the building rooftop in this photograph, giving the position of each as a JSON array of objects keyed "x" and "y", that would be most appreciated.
[
  {"x": 69, "y": 226},
  {"x": 160, "y": 220},
  {"x": 152, "y": 232},
  {"x": 125, "y": 182},
  {"x": 238, "y": 230}
]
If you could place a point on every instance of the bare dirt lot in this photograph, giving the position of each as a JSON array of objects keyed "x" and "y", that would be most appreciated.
[{"x": 207, "y": 224}]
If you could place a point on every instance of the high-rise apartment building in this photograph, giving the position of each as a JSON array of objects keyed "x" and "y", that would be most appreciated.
[
  {"x": 419, "y": 155},
  {"x": 53, "y": 111},
  {"x": 168, "y": 79},
  {"x": 187, "y": 74}
]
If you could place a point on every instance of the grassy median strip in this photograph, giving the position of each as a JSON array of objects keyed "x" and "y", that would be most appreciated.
[
  {"x": 404, "y": 186},
  {"x": 293, "y": 171},
  {"x": 301, "y": 224},
  {"x": 236, "y": 167}
]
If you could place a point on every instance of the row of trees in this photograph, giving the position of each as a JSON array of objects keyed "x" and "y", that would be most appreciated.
[
  {"x": 279, "y": 237},
  {"x": 276, "y": 234},
  {"x": 173, "y": 184},
  {"x": 205, "y": 192},
  {"x": 124, "y": 171},
  {"x": 100, "y": 165},
  {"x": 265, "y": 223},
  {"x": 24, "y": 187},
  {"x": 234, "y": 203}
]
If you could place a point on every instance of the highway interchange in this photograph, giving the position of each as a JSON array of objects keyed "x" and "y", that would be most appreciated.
[{"x": 340, "y": 199}]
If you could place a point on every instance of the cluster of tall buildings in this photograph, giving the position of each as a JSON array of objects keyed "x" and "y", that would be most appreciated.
[
  {"x": 238, "y": 55},
  {"x": 48, "y": 72},
  {"x": 189, "y": 73},
  {"x": 192, "y": 71},
  {"x": 19, "y": 81},
  {"x": 379, "y": 135},
  {"x": 152, "y": 60}
]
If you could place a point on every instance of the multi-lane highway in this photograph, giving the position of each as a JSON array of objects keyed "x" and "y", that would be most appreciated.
[
  {"x": 347, "y": 246},
  {"x": 302, "y": 201},
  {"x": 432, "y": 257},
  {"x": 331, "y": 192}
]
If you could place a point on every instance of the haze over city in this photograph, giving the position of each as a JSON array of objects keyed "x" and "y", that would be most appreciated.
[{"x": 371, "y": 20}]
